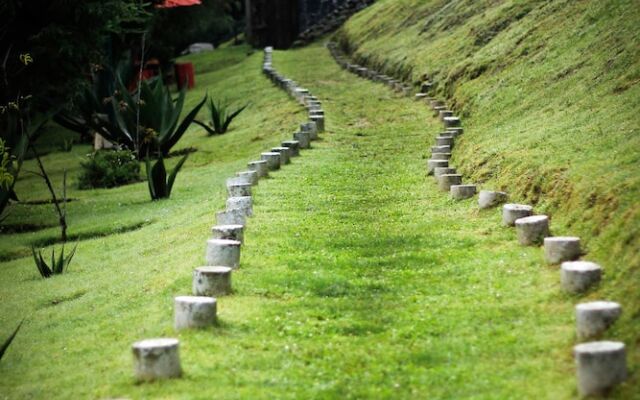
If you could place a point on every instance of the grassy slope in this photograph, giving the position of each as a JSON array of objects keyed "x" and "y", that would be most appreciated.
[
  {"x": 549, "y": 92},
  {"x": 359, "y": 278}
]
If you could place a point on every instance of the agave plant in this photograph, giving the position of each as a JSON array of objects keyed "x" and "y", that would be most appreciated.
[
  {"x": 5, "y": 345},
  {"x": 58, "y": 265},
  {"x": 221, "y": 117},
  {"x": 159, "y": 186}
]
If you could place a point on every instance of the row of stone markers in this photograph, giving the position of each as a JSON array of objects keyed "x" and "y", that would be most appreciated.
[
  {"x": 159, "y": 358},
  {"x": 600, "y": 364}
]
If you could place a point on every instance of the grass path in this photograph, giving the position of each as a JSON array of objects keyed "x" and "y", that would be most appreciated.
[{"x": 359, "y": 279}]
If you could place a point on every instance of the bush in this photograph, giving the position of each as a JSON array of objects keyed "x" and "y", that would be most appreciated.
[{"x": 109, "y": 168}]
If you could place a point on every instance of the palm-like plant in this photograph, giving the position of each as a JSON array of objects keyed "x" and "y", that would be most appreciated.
[
  {"x": 58, "y": 265},
  {"x": 221, "y": 117},
  {"x": 159, "y": 186}
]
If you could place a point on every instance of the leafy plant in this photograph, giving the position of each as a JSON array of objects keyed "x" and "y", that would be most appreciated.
[
  {"x": 58, "y": 265},
  {"x": 6, "y": 178},
  {"x": 7, "y": 343},
  {"x": 66, "y": 145},
  {"x": 221, "y": 117},
  {"x": 159, "y": 186},
  {"x": 109, "y": 168}
]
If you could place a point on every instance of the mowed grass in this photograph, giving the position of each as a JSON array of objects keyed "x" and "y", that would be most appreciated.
[{"x": 359, "y": 279}]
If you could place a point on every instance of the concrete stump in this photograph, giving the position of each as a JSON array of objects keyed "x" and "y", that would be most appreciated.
[
  {"x": 595, "y": 317},
  {"x": 194, "y": 312},
  {"x": 599, "y": 366},
  {"x": 450, "y": 122},
  {"x": 303, "y": 139},
  {"x": 230, "y": 218},
  {"x": 238, "y": 189},
  {"x": 249, "y": 177},
  {"x": 532, "y": 230},
  {"x": 229, "y": 232},
  {"x": 461, "y": 192},
  {"x": 285, "y": 154},
  {"x": 440, "y": 149},
  {"x": 432, "y": 164},
  {"x": 156, "y": 359},
  {"x": 444, "y": 141},
  {"x": 579, "y": 276},
  {"x": 437, "y": 109},
  {"x": 317, "y": 111},
  {"x": 272, "y": 159},
  {"x": 223, "y": 252},
  {"x": 211, "y": 281},
  {"x": 436, "y": 103},
  {"x": 437, "y": 171},
  {"x": 319, "y": 121},
  {"x": 488, "y": 198},
  {"x": 421, "y": 96},
  {"x": 260, "y": 167},
  {"x": 311, "y": 128},
  {"x": 455, "y": 131},
  {"x": 444, "y": 113},
  {"x": 561, "y": 248},
  {"x": 512, "y": 212},
  {"x": 440, "y": 156},
  {"x": 294, "y": 146},
  {"x": 242, "y": 204},
  {"x": 446, "y": 180}
]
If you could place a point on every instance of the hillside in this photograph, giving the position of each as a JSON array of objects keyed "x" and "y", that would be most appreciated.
[{"x": 549, "y": 92}]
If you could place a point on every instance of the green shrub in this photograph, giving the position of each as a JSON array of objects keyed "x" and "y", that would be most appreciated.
[{"x": 109, "y": 168}]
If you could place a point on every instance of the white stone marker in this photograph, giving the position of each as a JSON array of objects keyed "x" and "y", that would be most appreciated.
[
  {"x": 317, "y": 111},
  {"x": 223, "y": 252},
  {"x": 194, "y": 312},
  {"x": 512, "y": 212},
  {"x": 238, "y": 189},
  {"x": 444, "y": 141},
  {"x": 311, "y": 128},
  {"x": 532, "y": 230},
  {"x": 272, "y": 159},
  {"x": 488, "y": 198},
  {"x": 455, "y": 131},
  {"x": 260, "y": 167},
  {"x": 445, "y": 113},
  {"x": 440, "y": 156},
  {"x": 599, "y": 366},
  {"x": 211, "y": 281},
  {"x": 461, "y": 192},
  {"x": 302, "y": 138},
  {"x": 451, "y": 122},
  {"x": 595, "y": 317},
  {"x": 440, "y": 149},
  {"x": 579, "y": 276},
  {"x": 446, "y": 180},
  {"x": 432, "y": 164},
  {"x": 443, "y": 170},
  {"x": 294, "y": 145},
  {"x": 242, "y": 204},
  {"x": 319, "y": 121},
  {"x": 285, "y": 154},
  {"x": 561, "y": 248},
  {"x": 156, "y": 359},
  {"x": 250, "y": 177},
  {"x": 231, "y": 217},
  {"x": 229, "y": 232}
]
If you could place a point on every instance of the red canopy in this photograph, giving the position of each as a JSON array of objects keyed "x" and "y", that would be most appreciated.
[{"x": 178, "y": 3}]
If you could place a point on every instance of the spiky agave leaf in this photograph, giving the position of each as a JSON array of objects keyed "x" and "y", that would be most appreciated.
[
  {"x": 174, "y": 173},
  {"x": 7, "y": 342},
  {"x": 232, "y": 116}
]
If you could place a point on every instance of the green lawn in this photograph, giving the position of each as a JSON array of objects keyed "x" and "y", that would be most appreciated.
[{"x": 359, "y": 279}]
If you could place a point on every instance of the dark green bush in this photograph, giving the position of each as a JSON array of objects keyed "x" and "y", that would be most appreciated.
[{"x": 109, "y": 168}]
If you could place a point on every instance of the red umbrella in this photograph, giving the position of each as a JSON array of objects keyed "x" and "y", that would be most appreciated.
[{"x": 178, "y": 3}]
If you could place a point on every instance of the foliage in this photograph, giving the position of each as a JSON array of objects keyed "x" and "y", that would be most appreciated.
[
  {"x": 57, "y": 266},
  {"x": 6, "y": 177},
  {"x": 221, "y": 117},
  {"x": 7, "y": 343},
  {"x": 159, "y": 186},
  {"x": 109, "y": 168}
]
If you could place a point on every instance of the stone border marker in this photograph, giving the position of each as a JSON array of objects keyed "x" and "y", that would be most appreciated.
[
  {"x": 260, "y": 167},
  {"x": 532, "y": 230},
  {"x": 311, "y": 128},
  {"x": 230, "y": 217},
  {"x": 294, "y": 145},
  {"x": 433, "y": 164},
  {"x": 595, "y": 317},
  {"x": 272, "y": 159},
  {"x": 250, "y": 177},
  {"x": 561, "y": 248},
  {"x": 440, "y": 149},
  {"x": 194, "y": 312},
  {"x": 579, "y": 276},
  {"x": 441, "y": 156},
  {"x": 445, "y": 181},
  {"x": 223, "y": 252},
  {"x": 319, "y": 121},
  {"x": 156, "y": 359},
  {"x": 444, "y": 141},
  {"x": 285, "y": 154},
  {"x": 211, "y": 281},
  {"x": 238, "y": 189},
  {"x": 461, "y": 192},
  {"x": 451, "y": 122},
  {"x": 512, "y": 212},
  {"x": 243, "y": 204},
  {"x": 303, "y": 139},
  {"x": 229, "y": 232},
  {"x": 599, "y": 366},
  {"x": 443, "y": 170},
  {"x": 488, "y": 198}
]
